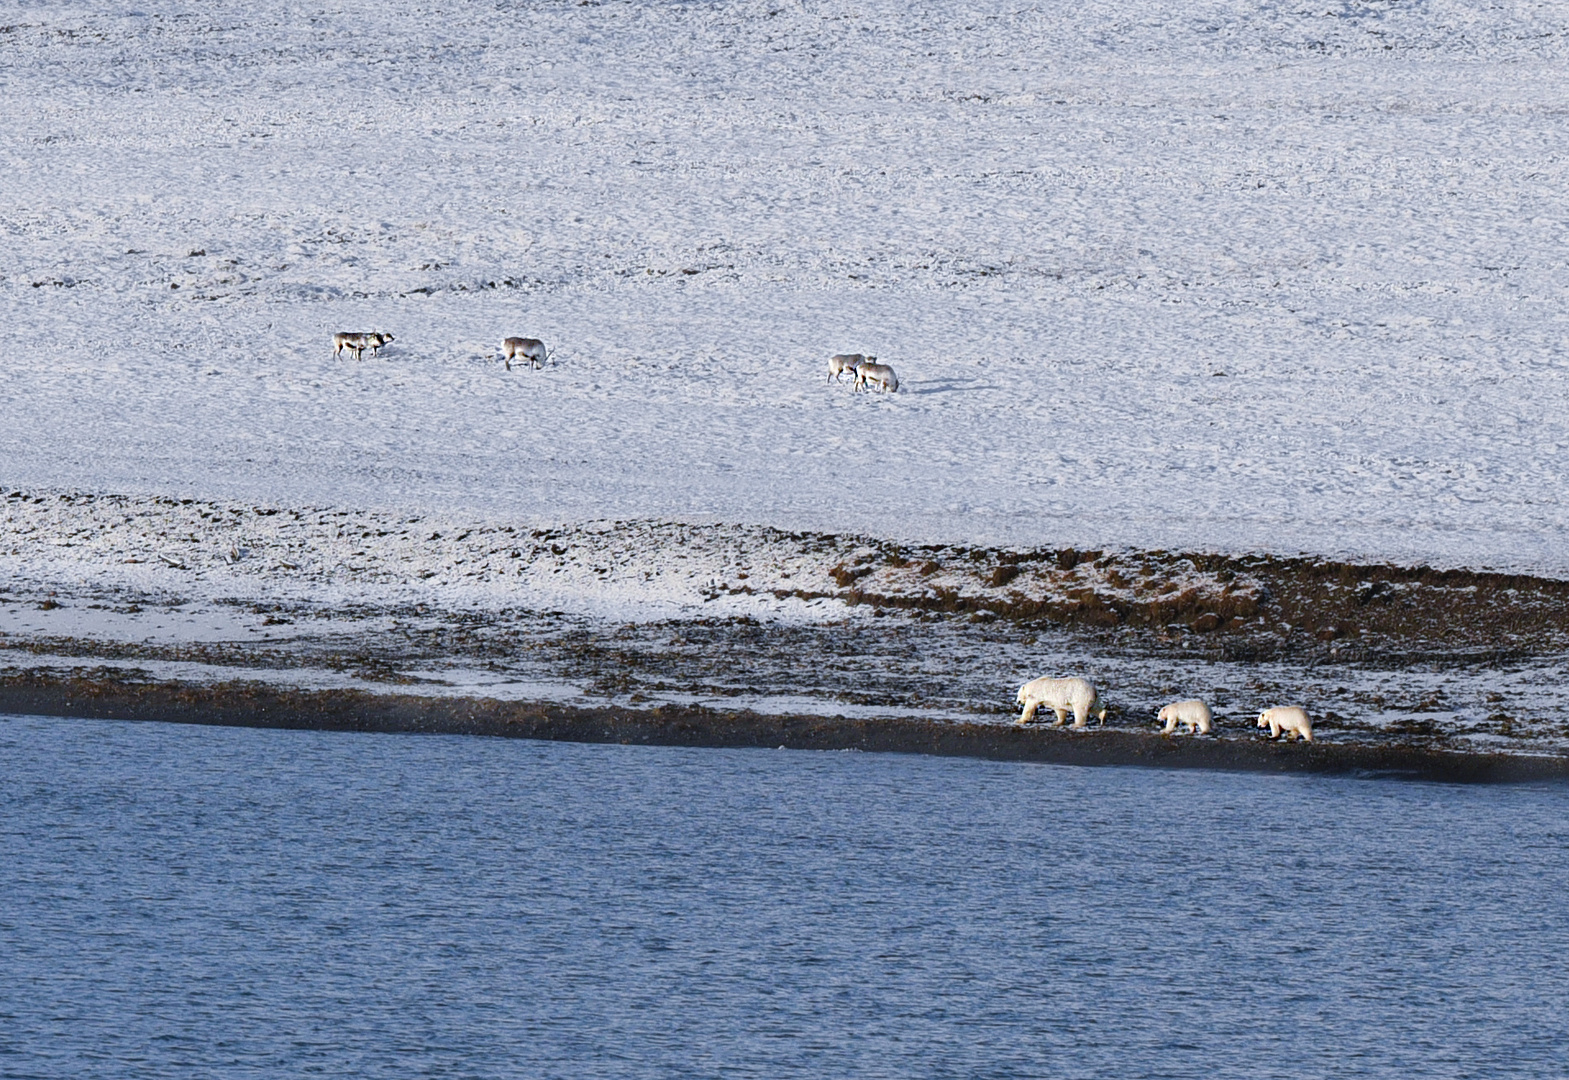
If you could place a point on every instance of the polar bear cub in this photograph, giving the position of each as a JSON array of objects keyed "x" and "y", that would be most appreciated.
[
  {"x": 1193, "y": 715},
  {"x": 1289, "y": 719},
  {"x": 1060, "y": 695}
]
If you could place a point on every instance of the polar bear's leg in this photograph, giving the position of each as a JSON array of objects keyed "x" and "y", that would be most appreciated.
[
  {"x": 1062, "y": 715},
  {"x": 1029, "y": 713},
  {"x": 1081, "y": 716}
]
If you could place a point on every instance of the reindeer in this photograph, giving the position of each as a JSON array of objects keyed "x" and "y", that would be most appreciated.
[
  {"x": 867, "y": 373},
  {"x": 530, "y": 349},
  {"x": 845, "y": 363},
  {"x": 358, "y": 343}
]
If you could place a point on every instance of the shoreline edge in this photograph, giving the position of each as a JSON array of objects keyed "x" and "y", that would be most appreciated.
[{"x": 249, "y": 704}]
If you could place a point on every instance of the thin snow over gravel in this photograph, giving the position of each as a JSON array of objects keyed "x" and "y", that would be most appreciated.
[
  {"x": 337, "y": 558},
  {"x": 1212, "y": 275},
  {"x": 636, "y": 613}
]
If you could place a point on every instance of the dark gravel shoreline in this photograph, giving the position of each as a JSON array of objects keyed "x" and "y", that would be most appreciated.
[{"x": 256, "y": 705}]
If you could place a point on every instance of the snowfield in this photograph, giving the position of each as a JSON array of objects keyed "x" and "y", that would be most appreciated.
[
  {"x": 1205, "y": 277},
  {"x": 1220, "y": 276}
]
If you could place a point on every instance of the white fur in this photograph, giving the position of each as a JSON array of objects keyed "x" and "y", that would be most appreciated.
[
  {"x": 358, "y": 343},
  {"x": 530, "y": 349},
  {"x": 1193, "y": 715},
  {"x": 867, "y": 373},
  {"x": 1060, "y": 695},
  {"x": 1289, "y": 719},
  {"x": 844, "y": 364}
]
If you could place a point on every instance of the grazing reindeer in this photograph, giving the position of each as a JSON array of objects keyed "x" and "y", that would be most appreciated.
[
  {"x": 530, "y": 349},
  {"x": 844, "y": 364},
  {"x": 358, "y": 343},
  {"x": 867, "y": 373}
]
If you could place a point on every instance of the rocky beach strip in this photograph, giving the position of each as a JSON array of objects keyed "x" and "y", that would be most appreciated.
[
  {"x": 742, "y": 628},
  {"x": 251, "y": 705}
]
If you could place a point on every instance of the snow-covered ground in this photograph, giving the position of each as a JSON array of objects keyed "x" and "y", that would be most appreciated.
[
  {"x": 1218, "y": 275},
  {"x": 1210, "y": 276}
]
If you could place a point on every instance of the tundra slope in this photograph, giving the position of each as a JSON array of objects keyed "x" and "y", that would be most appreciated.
[
  {"x": 1191, "y": 276},
  {"x": 1241, "y": 283}
]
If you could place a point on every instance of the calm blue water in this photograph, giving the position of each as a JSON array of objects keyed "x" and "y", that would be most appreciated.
[{"x": 182, "y": 901}]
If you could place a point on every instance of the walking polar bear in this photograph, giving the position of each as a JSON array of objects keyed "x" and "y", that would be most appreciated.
[
  {"x": 1289, "y": 719},
  {"x": 1193, "y": 715},
  {"x": 1060, "y": 695}
]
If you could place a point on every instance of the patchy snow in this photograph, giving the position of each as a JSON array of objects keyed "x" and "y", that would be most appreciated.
[
  {"x": 182, "y": 550},
  {"x": 871, "y": 669},
  {"x": 1204, "y": 275},
  {"x": 168, "y": 552}
]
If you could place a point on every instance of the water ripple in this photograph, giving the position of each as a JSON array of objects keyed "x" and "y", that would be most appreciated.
[{"x": 180, "y": 901}]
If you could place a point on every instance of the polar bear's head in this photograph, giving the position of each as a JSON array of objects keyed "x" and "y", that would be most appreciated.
[
  {"x": 1165, "y": 714},
  {"x": 1263, "y": 718}
]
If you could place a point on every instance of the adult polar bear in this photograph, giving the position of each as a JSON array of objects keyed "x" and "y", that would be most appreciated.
[{"x": 1060, "y": 695}]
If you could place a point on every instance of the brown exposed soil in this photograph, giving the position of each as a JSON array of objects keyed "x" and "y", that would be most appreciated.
[{"x": 1230, "y": 599}]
